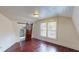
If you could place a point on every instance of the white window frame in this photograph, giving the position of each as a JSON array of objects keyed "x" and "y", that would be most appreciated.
[
  {"x": 52, "y": 30},
  {"x": 42, "y": 30},
  {"x": 47, "y": 30}
]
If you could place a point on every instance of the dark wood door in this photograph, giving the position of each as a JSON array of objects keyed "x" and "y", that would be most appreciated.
[{"x": 28, "y": 31}]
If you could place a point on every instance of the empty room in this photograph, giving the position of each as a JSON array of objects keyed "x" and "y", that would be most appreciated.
[{"x": 39, "y": 28}]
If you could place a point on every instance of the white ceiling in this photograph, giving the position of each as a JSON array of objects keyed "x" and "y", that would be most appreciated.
[{"x": 24, "y": 13}]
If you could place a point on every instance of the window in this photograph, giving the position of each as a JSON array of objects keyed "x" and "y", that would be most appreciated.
[
  {"x": 52, "y": 29},
  {"x": 48, "y": 29},
  {"x": 21, "y": 32},
  {"x": 43, "y": 29}
]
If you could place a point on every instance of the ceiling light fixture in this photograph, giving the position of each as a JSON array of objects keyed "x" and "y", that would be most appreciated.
[{"x": 36, "y": 13}]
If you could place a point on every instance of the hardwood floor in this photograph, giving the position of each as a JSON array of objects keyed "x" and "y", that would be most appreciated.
[{"x": 38, "y": 46}]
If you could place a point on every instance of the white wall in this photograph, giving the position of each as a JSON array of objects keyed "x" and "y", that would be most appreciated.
[
  {"x": 7, "y": 33},
  {"x": 76, "y": 18},
  {"x": 67, "y": 35},
  {"x": 16, "y": 30}
]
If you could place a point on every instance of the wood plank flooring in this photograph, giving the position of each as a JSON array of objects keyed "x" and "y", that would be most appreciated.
[{"x": 35, "y": 45}]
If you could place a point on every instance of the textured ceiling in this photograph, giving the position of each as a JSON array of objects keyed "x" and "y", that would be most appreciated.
[{"x": 24, "y": 13}]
